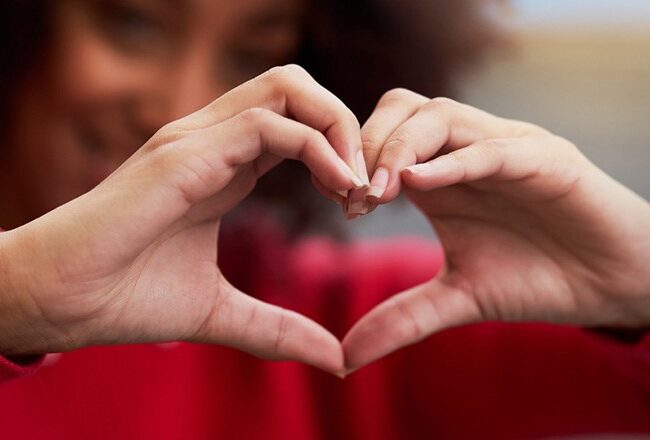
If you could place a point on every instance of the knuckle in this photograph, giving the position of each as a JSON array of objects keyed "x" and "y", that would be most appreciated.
[
  {"x": 395, "y": 144},
  {"x": 278, "y": 80},
  {"x": 254, "y": 116},
  {"x": 370, "y": 142},
  {"x": 281, "y": 333},
  {"x": 487, "y": 150},
  {"x": 461, "y": 156},
  {"x": 354, "y": 121},
  {"x": 295, "y": 70},
  {"x": 314, "y": 140},
  {"x": 315, "y": 135},
  {"x": 410, "y": 328},
  {"x": 440, "y": 104},
  {"x": 529, "y": 129},
  {"x": 492, "y": 144},
  {"x": 274, "y": 74},
  {"x": 289, "y": 72},
  {"x": 567, "y": 149},
  {"x": 341, "y": 114},
  {"x": 163, "y": 159},
  {"x": 397, "y": 94},
  {"x": 563, "y": 142},
  {"x": 395, "y": 150},
  {"x": 170, "y": 133}
]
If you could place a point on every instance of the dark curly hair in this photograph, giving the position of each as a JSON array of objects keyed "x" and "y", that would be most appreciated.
[
  {"x": 358, "y": 49},
  {"x": 361, "y": 49}
]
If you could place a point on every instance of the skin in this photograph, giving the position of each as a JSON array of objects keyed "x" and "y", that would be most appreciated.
[
  {"x": 532, "y": 230},
  {"x": 135, "y": 260},
  {"x": 118, "y": 70}
]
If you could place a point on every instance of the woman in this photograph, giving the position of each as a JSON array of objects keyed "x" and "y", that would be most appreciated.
[{"x": 531, "y": 229}]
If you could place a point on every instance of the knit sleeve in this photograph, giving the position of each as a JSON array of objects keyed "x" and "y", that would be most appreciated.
[{"x": 14, "y": 368}]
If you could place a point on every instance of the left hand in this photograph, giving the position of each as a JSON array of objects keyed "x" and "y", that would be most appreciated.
[
  {"x": 532, "y": 230},
  {"x": 135, "y": 259}
]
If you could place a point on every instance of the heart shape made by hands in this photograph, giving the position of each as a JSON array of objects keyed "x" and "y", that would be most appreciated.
[{"x": 314, "y": 263}]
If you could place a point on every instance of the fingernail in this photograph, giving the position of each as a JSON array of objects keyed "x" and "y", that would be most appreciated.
[
  {"x": 378, "y": 184},
  {"x": 358, "y": 208},
  {"x": 361, "y": 168},
  {"x": 342, "y": 193},
  {"x": 338, "y": 199},
  {"x": 435, "y": 167},
  {"x": 417, "y": 169},
  {"x": 355, "y": 179},
  {"x": 357, "y": 202}
]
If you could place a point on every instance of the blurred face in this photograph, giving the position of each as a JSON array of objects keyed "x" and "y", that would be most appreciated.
[{"x": 117, "y": 70}]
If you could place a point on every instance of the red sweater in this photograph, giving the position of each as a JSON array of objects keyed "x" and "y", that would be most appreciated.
[{"x": 490, "y": 380}]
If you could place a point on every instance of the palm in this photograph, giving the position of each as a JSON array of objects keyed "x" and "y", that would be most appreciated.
[
  {"x": 175, "y": 281},
  {"x": 514, "y": 256},
  {"x": 543, "y": 249},
  {"x": 159, "y": 281},
  {"x": 531, "y": 229},
  {"x": 506, "y": 272}
]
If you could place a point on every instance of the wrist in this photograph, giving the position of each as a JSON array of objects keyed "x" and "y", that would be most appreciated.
[
  {"x": 620, "y": 219},
  {"x": 23, "y": 332}
]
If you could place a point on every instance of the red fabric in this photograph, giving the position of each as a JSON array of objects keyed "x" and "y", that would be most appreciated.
[
  {"x": 505, "y": 381},
  {"x": 12, "y": 369}
]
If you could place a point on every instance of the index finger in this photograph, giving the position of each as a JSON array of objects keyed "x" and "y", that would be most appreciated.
[
  {"x": 290, "y": 91},
  {"x": 441, "y": 124}
]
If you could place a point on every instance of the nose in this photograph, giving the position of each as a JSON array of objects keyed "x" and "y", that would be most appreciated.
[
  {"x": 194, "y": 86},
  {"x": 188, "y": 86}
]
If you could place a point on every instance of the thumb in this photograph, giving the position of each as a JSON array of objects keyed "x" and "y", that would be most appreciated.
[
  {"x": 406, "y": 318},
  {"x": 271, "y": 332}
]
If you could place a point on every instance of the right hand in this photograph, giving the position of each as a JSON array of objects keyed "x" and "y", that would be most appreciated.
[
  {"x": 531, "y": 229},
  {"x": 135, "y": 259}
]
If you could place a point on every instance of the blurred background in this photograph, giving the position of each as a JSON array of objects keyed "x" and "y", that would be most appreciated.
[
  {"x": 114, "y": 71},
  {"x": 580, "y": 68}
]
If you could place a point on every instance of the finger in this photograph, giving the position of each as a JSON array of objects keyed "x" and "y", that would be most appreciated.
[
  {"x": 440, "y": 123},
  {"x": 356, "y": 203},
  {"x": 327, "y": 193},
  {"x": 204, "y": 168},
  {"x": 270, "y": 332},
  {"x": 405, "y": 319},
  {"x": 191, "y": 167},
  {"x": 290, "y": 91},
  {"x": 498, "y": 158},
  {"x": 265, "y": 163},
  {"x": 393, "y": 109},
  {"x": 525, "y": 160},
  {"x": 344, "y": 199}
]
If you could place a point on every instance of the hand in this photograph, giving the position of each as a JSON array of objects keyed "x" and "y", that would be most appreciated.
[
  {"x": 135, "y": 259},
  {"x": 532, "y": 230}
]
